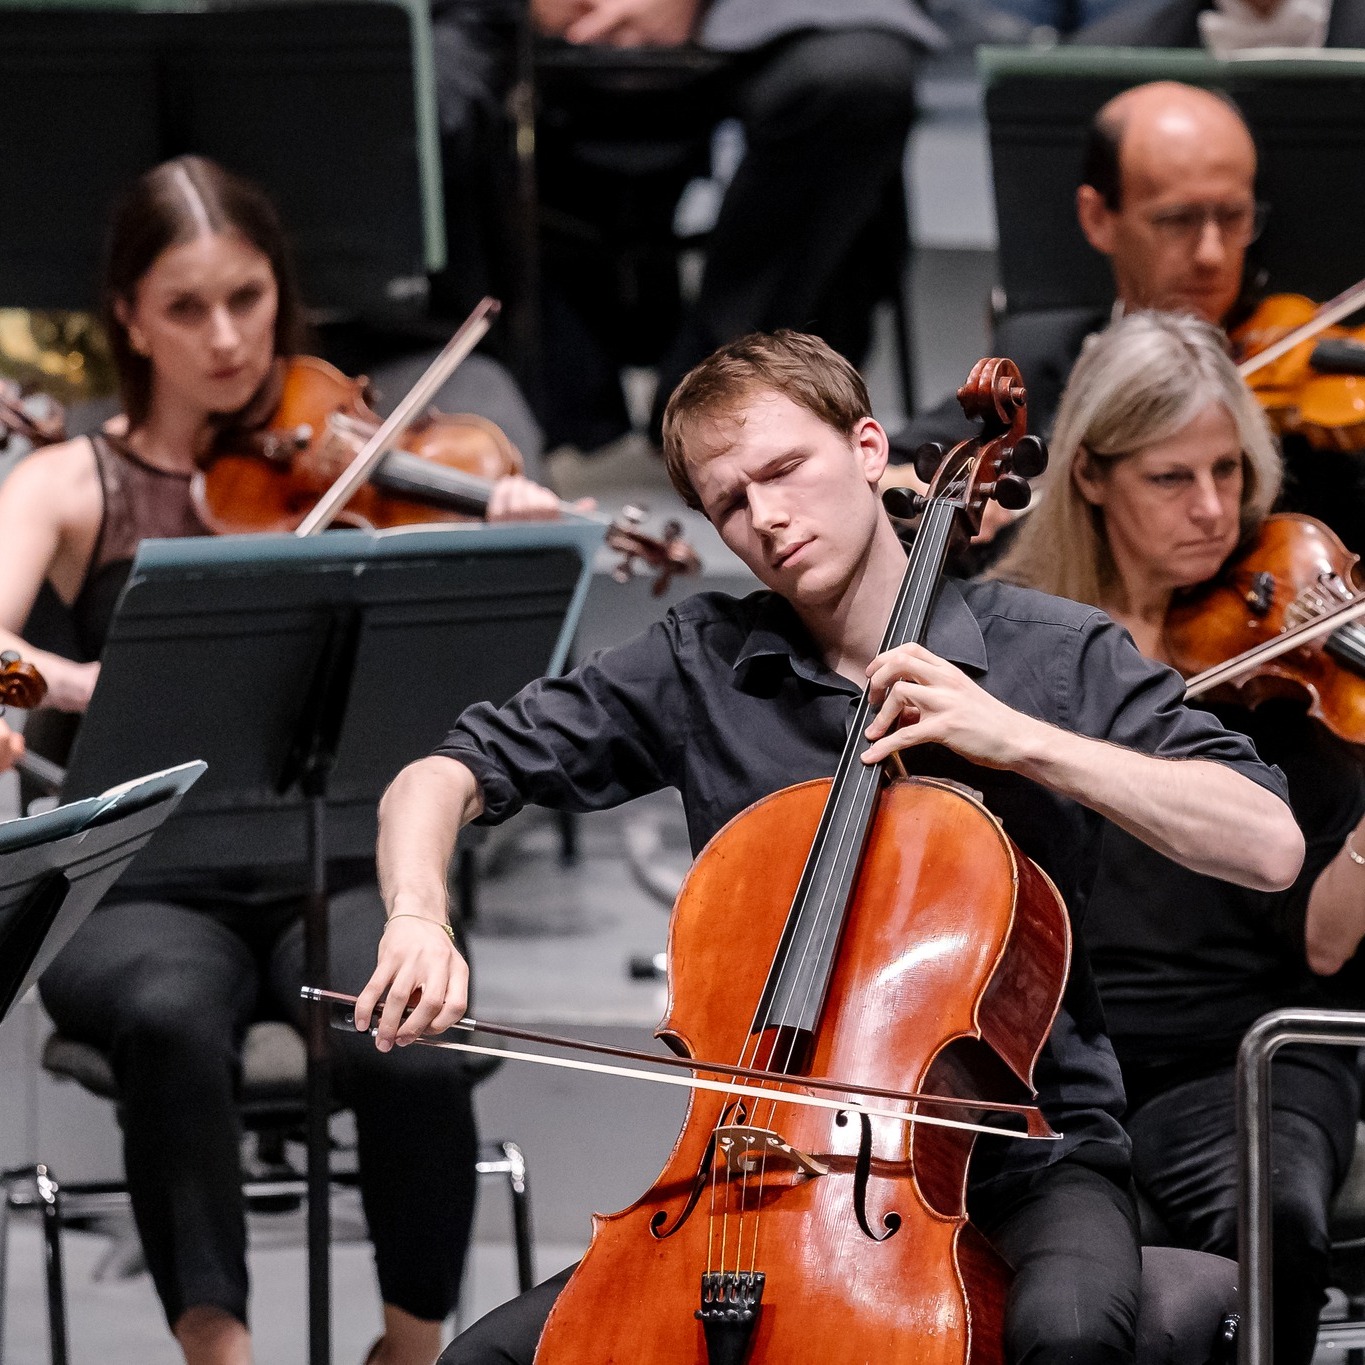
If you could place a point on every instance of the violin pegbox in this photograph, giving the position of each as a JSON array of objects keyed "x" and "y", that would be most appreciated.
[{"x": 668, "y": 555}]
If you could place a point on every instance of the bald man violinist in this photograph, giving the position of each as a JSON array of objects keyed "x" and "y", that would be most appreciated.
[{"x": 1168, "y": 197}]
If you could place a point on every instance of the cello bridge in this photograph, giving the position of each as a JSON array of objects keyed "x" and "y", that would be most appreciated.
[{"x": 744, "y": 1149}]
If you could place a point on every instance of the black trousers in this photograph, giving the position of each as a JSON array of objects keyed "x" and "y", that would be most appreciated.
[
  {"x": 800, "y": 240},
  {"x": 1185, "y": 1163},
  {"x": 1068, "y": 1232},
  {"x": 168, "y": 992}
]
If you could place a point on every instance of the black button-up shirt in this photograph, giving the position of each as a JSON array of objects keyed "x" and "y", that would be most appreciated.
[
  {"x": 728, "y": 700},
  {"x": 1185, "y": 963}
]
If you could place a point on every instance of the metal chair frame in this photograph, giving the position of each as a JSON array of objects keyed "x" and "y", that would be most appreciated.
[
  {"x": 28, "y": 1188},
  {"x": 1334, "y": 1028}
]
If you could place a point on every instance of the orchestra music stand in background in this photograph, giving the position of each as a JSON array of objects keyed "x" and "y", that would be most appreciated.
[
  {"x": 54, "y": 870},
  {"x": 307, "y": 672}
]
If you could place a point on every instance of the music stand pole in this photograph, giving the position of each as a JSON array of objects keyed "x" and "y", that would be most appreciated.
[{"x": 307, "y": 672}]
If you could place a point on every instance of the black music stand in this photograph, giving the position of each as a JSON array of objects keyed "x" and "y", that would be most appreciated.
[
  {"x": 54, "y": 869},
  {"x": 307, "y": 672}
]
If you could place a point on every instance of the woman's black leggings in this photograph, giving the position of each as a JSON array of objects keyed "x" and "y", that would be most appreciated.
[{"x": 168, "y": 991}]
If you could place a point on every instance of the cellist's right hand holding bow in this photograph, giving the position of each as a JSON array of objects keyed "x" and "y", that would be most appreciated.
[{"x": 419, "y": 968}]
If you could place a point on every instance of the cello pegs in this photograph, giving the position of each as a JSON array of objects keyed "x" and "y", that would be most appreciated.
[
  {"x": 1012, "y": 491},
  {"x": 926, "y": 460},
  {"x": 903, "y": 503},
  {"x": 1028, "y": 457}
]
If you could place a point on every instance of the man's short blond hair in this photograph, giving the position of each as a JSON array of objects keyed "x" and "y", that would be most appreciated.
[{"x": 800, "y": 367}]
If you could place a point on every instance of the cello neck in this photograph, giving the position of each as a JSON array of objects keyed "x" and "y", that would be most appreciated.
[{"x": 797, "y": 985}]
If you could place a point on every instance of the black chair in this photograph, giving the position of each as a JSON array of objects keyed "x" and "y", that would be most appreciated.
[
  {"x": 313, "y": 100},
  {"x": 273, "y": 1110}
]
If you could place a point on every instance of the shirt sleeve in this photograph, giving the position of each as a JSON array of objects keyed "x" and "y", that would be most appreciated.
[
  {"x": 1117, "y": 694},
  {"x": 605, "y": 733}
]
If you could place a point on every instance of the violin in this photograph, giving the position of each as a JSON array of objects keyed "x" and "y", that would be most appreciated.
[
  {"x": 1307, "y": 372},
  {"x": 17, "y": 418},
  {"x": 23, "y": 687},
  {"x": 893, "y": 936},
  {"x": 1282, "y": 619},
  {"x": 274, "y": 477}
]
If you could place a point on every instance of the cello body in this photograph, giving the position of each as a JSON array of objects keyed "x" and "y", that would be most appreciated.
[{"x": 950, "y": 966}]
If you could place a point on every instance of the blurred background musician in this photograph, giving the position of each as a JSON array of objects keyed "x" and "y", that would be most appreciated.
[
  {"x": 201, "y": 310},
  {"x": 1168, "y": 196},
  {"x": 825, "y": 95},
  {"x": 1162, "y": 466},
  {"x": 1226, "y": 26}
]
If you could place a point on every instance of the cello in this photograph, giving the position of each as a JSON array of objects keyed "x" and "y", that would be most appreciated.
[{"x": 877, "y": 928}]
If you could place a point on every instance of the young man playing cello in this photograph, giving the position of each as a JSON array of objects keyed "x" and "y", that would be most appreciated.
[{"x": 1044, "y": 707}]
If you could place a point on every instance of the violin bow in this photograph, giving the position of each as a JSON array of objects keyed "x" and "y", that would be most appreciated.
[
  {"x": 1345, "y": 303},
  {"x": 1037, "y": 1127},
  {"x": 457, "y": 350}
]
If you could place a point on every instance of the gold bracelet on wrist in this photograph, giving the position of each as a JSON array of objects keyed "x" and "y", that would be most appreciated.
[
  {"x": 1350, "y": 851},
  {"x": 445, "y": 928}
]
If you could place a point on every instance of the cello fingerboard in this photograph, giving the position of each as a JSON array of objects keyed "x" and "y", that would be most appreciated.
[{"x": 799, "y": 981}]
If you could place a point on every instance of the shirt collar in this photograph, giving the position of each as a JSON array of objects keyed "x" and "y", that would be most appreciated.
[{"x": 777, "y": 634}]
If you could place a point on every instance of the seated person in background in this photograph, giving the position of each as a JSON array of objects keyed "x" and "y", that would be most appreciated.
[
  {"x": 1226, "y": 26},
  {"x": 1161, "y": 467},
  {"x": 201, "y": 310},
  {"x": 1042, "y": 706},
  {"x": 1168, "y": 196},
  {"x": 825, "y": 93}
]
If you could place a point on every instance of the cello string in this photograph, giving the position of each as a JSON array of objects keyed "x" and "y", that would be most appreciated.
[
  {"x": 912, "y": 599},
  {"x": 828, "y": 913}
]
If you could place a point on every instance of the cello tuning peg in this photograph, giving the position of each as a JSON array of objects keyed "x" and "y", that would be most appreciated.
[
  {"x": 1012, "y": 491},
  {"x": 903, "y": 503},
  {"x": 1028, "y": 457},
  {"x": 927, "y": 459}
]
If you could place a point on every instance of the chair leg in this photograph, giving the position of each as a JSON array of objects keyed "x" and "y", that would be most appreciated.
[
  {"x": 518, "y": 1184},
  {"x": 50, "y": 1208},
  {"x": 50, "y": 1194},
  {"x": 512, "y": 1164},
  {"x": 7, "y": 1179}
]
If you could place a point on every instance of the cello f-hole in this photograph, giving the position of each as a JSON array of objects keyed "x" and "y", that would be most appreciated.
[
  {"x": 657, "y": 1226},
  {"x": 862, "y": 1170}
]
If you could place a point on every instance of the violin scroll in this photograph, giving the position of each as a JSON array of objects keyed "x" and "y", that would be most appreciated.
[
  {"x": 667, "y": 555},
  {"x": 21, "y": 684},
  {"x": 18, "y": 418}
]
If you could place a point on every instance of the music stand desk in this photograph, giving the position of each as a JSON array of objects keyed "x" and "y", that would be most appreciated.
[{"x": 307, "y": 672}]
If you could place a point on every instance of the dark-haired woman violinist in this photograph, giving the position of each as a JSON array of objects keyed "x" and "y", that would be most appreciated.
[{"x": 201, "y": 309}]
